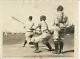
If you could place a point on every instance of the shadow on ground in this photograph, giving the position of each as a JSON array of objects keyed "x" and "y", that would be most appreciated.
[{"x": 68, "y": 51}]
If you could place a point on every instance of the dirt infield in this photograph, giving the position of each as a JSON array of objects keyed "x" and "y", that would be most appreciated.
[{"x": 12, "y": 46}]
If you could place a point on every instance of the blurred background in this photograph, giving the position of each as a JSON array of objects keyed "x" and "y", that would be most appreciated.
[{"x": 21, "y": 9}]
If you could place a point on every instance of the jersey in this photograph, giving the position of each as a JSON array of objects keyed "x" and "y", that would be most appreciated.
[
  {"x": 43, "y": 26},
  {"x": 29, "y": 25},
  {"x": 61, "y": 19}
]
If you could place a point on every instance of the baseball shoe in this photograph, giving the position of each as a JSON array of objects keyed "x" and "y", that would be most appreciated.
[{"x": 37, "y": 51}]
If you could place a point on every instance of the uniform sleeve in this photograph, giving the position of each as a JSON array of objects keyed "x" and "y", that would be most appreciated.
[{"x": 67, "y": 22}]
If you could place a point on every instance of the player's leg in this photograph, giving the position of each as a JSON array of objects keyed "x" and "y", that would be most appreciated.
[
  {"x": 37, "y": 39},
  {"x": 56, "y": 47},
  {"x": 61, "y": 46},
  {"x": 32, "y": 41},
  {"x": 27, "y": 38},
  {"x": 36, "y": 47},
  {"x": 47, "y": 44},
  {"x": 45, "y": 39},
  {"x": 24, "y": 43},
  {"x": 61, "y": 43}
]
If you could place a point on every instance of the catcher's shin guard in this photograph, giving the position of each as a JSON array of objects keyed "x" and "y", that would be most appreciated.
[
  {"x": 56, "y": 47},
  {"x": 61, "y": 47}
]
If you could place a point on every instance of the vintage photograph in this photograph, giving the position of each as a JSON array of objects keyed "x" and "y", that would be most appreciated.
[{"x": 38, "y": 28}]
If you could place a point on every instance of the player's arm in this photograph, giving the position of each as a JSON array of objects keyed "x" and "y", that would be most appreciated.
[{"x": 67, "y": 22}]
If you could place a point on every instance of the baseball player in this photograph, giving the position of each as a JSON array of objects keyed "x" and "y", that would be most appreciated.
[
  {"x": 29, "y": 31},
  {"x": 60, "y": 25},
  {"x": 44, "y": 37}
]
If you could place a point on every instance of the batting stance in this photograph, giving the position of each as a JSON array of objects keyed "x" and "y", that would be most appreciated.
[
  {"x": 29, "y": 31},
  {"x": 45, "y": 36}
]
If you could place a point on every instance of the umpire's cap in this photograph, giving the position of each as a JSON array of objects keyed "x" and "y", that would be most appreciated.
[
  {"x": 30, "y": 17},
  {"x": 60, "y": 8},
  {"x": 43, "y": 17}
]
